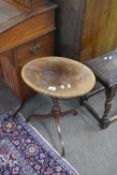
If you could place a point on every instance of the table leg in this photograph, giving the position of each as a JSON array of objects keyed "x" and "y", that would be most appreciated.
[
  {"x": 46, "y": 116},
  {"x": 71, "y": 111},
  {"x": 56, "y": 111},
  {"x": 57, "y": 121}
]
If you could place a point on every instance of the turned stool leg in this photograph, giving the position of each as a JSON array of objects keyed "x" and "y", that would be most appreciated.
[{"x": 110, "y": 94}]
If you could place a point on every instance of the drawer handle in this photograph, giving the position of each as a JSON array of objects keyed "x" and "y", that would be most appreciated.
[{"x": 35, "y": 49}]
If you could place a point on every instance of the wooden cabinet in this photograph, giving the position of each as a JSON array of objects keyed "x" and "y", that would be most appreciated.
[
  {"x": 86, "y": 28},
  {"x": 24, "y": 42}
]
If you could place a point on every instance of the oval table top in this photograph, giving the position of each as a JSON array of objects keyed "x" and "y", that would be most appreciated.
[{"x": 58, "y": 77}]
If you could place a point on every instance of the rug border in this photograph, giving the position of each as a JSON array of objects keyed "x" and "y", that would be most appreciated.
[
  {"x": 34, "y": 132},
  {"x": 57, "y": 153}
]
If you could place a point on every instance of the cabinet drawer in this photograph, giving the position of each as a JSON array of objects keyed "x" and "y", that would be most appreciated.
[{"x": 39, "y": 47}]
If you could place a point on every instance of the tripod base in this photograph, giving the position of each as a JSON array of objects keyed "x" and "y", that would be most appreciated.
[{"x": 56, "y": 114}]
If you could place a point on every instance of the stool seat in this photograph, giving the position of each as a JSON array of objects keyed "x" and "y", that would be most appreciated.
[
  {"x": 58, "y": 77},
  {"x": 105, "y": 68}
]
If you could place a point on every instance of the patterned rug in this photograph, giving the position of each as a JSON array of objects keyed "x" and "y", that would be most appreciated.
[{"x": 23, "y": 151}]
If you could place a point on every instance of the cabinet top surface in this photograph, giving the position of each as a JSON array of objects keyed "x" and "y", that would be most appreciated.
[
  {"x": 12, "y": 14},
  {"x": 7, "y": 12}
]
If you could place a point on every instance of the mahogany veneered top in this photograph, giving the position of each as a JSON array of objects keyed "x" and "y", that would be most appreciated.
[{"x": 58, "y": 77}]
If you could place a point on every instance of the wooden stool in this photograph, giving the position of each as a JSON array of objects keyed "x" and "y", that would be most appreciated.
[
  {"x": 105, "y": 69},
  {"x": 59, "y": 78}
]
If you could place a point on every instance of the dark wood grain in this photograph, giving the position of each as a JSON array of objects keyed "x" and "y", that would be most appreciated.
[
  {"x": 100, "y": 28},
  {"x": 69, "y": 21}
]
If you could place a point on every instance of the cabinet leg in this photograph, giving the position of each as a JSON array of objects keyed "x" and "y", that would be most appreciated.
[{"x": 18, "y": 109}]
